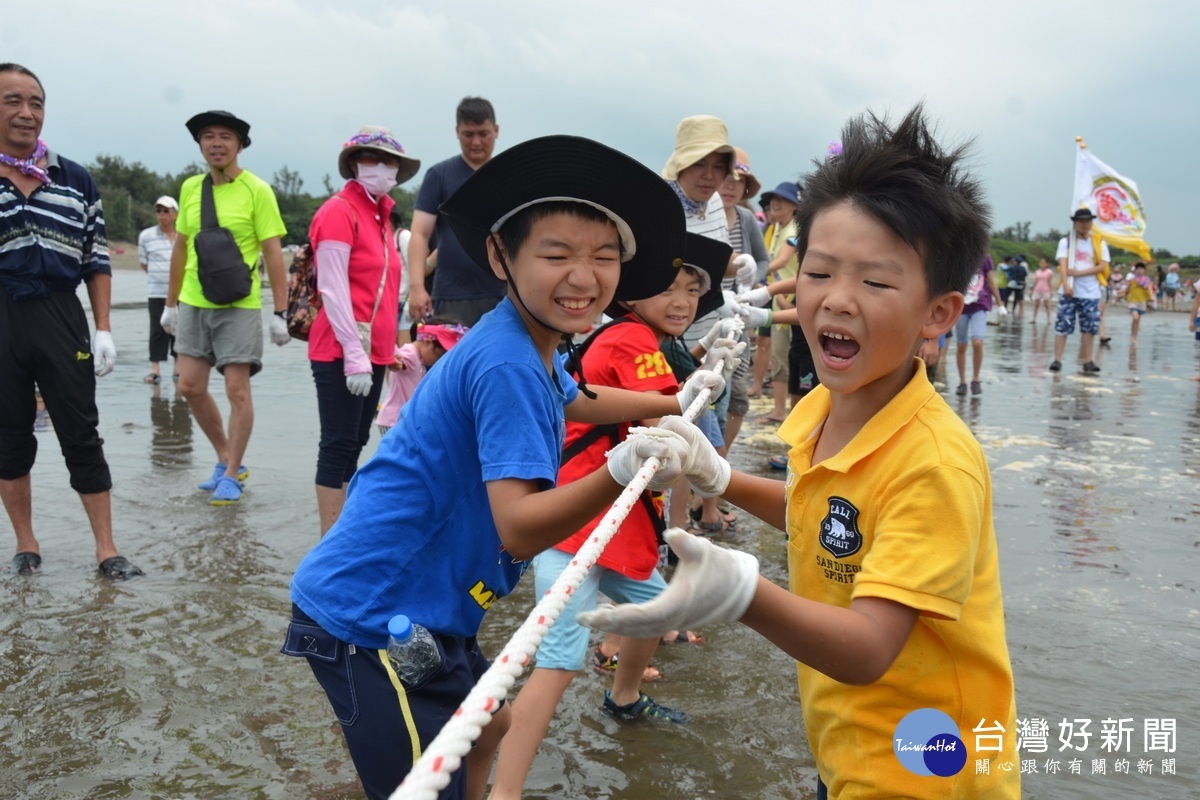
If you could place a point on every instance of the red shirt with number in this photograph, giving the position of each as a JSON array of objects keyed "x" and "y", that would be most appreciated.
[{"x": 626, "y": 356}]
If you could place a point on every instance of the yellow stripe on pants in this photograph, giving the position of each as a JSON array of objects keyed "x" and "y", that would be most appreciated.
[{"x": 402, "y": 696}]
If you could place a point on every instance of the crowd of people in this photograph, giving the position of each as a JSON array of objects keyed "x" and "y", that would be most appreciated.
[{"x": 539, "y": 330}]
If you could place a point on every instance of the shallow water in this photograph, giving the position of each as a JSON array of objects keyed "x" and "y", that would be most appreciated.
[{"x": 171, "y": 686}]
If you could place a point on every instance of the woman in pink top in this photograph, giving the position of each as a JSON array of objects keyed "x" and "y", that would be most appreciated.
[
  {"x": 353, "y": 337},
  {"x": 1042, "y": 292}
]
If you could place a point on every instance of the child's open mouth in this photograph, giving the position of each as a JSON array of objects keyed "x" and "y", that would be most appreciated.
[
  {"x": 575, "y": 304},
  {"x": 838, "y": 347}
]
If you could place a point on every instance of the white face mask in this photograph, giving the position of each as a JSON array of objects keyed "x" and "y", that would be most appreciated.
[{"x": 379, "y": 179}]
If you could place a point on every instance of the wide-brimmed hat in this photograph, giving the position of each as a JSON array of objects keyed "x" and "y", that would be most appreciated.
[
  {"x": 1083, "y": 215},
  {"x": 648, "y": 215},
  {"x": 741, "y": 169},
  {"x": 710, "y": 256},
  {"x": 222, "y": 118},
  {"x": 787, "y": 190},
  {"x": 695, "y": 138},
  {"x": 373, "y": 137}
]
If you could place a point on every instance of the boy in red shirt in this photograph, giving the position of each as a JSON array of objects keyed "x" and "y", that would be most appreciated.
[{"x": 626, "y": 354}]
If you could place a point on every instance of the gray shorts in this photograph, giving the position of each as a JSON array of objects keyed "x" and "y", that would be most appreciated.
[{"x": 221, "y": 336}]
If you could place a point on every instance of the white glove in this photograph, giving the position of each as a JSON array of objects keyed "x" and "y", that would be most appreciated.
[
  {"x": 711, "y": 585},
  {"x": 755, "y": 297},
  {"x": 627, "y": 458},
  {"x": 727, "y": 309},
  {"x": 723, "y": 357},
  {"x": 721, "y": 329},
  {"x": 279, "y": 331},
  {"x": 169, "y": 318},
  {"x": 753, "y": 316},
  {"x": 104, "y": 353},
  {"x": 359, "y": 383},
  {"x": 703, "y": 466},
  {"x": 1002, "y": 311},
  {"x": 700, "y": 379},
  {"x": 747, "y": 269}
]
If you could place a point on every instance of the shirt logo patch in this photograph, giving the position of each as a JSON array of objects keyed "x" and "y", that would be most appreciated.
[{"x": 839, "y": 530}]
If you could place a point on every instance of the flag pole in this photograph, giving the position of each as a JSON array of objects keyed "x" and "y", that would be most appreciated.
[{"x": 1067, "y": 281}]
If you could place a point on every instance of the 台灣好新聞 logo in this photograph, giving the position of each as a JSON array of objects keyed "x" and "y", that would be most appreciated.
[{"x": 928, "y": 742}]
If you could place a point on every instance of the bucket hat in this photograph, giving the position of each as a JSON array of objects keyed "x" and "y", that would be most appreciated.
[
  {"x": 1083, "y": 215},
  {"x": 222, "y": 118},
  {"x": 741, "y": 169},
  {"x": 787, "y": 190},
  {"x": 710, "y": 256},
  {"x": 696, "y": 137},
  {"x": 648, "y": 215},
  {"x": 373, "y": 137}
]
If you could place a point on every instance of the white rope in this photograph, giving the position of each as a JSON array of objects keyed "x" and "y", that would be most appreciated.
[{"x": 444, "y": 755}]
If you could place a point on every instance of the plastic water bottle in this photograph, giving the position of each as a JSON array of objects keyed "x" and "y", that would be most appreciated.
[{"x": 412, "y": 650}]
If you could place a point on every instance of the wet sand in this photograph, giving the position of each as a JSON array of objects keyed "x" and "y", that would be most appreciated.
[{"x": 171, "y": 686}]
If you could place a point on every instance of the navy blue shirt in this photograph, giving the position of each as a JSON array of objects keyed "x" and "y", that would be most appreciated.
[
  {"x": 457, "y": 277},
  {"x": 53, "y": 239}
]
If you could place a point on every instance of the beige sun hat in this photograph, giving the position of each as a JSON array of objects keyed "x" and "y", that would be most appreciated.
[
  {"x": 695, "y": 138},
  {"x": 741, "y": 168},
  {"x": 373, "y": 137}
]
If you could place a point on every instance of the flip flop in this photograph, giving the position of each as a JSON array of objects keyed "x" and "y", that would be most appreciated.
[
  {"x": 119, "y": 568},
  {"x": 153, "y": 377},
  {"x": 683, "y": 637},
  {"x": 27, "y": 563}
]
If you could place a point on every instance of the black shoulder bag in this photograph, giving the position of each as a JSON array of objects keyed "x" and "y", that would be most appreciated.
[{"x": 224, "y": 274}]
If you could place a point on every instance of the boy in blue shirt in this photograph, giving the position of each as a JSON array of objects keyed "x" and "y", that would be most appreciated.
[{"x": 443, "y": 519}]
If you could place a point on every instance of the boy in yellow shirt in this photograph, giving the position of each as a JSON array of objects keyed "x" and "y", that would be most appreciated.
[{"x": 895, "y": 613}]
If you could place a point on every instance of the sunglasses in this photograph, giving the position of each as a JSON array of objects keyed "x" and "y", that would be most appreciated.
[{"x": 371, "y": 159}]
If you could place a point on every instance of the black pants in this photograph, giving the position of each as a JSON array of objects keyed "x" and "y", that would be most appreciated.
[
  {"x": 800, "y": 363},
  {"x": 161, "y": 342},
  {"x": 345, "y": 421},
  {"x": 45, "y": 343}
]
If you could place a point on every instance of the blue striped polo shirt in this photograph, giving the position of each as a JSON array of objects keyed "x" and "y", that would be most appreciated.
[{"x": 55, "y": 238}]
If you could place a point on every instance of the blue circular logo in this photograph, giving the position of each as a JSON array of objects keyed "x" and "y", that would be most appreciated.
[{"x": 927, "y": 742}]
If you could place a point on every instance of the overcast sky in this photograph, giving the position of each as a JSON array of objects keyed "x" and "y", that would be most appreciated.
[{"x": 1025, "y": 77}]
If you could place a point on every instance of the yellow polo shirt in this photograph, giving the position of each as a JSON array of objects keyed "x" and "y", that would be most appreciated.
[{"x": 904, "y": 512}]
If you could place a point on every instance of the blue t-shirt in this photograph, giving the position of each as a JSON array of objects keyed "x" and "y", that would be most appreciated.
[
  {"x": 457, "y": 277},
  {"x": 416, "y": 536}
]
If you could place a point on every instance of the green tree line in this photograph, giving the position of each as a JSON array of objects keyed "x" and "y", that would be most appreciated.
[
  {"x": 1016, "y": 239},
  {"x": 128, "y": 192}
]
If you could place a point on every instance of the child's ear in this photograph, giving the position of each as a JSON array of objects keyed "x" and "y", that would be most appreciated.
[
  {"x": 494, "y": 248},
  {"x": 944, "y": 311}
]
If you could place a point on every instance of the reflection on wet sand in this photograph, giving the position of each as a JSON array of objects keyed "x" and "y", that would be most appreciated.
[{"x": 171, "y": 686}]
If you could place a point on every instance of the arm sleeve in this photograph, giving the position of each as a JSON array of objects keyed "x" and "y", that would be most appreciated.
[
  {"x": 925, "y": 543},
  {"x": 517, "y": 426},
  {"x": 95, "y": 238},
  {"x": 268, "y": 223},
  {"x": 402, "y": 239},
  {"x": 430, "y": 193},
  {"x": 333, "y": 282},
  {"x": 143, "y": 256}
]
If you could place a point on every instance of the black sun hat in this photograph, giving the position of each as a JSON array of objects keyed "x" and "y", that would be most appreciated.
[
  {"x": 222, "y": 118},
  {"x": 711, "y": 257},
  {"x": 648, "y": 215},
  {"x": 1083, "y": 215}
]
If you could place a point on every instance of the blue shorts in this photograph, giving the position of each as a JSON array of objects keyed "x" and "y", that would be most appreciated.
[
  {"x": 566, "y": 643},
  {"x": 710, "y": 426},
  {"x": 386, "y": 723},
  {"x": 970, "y": 326},
  {"x": 1088, "y": 312}
]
